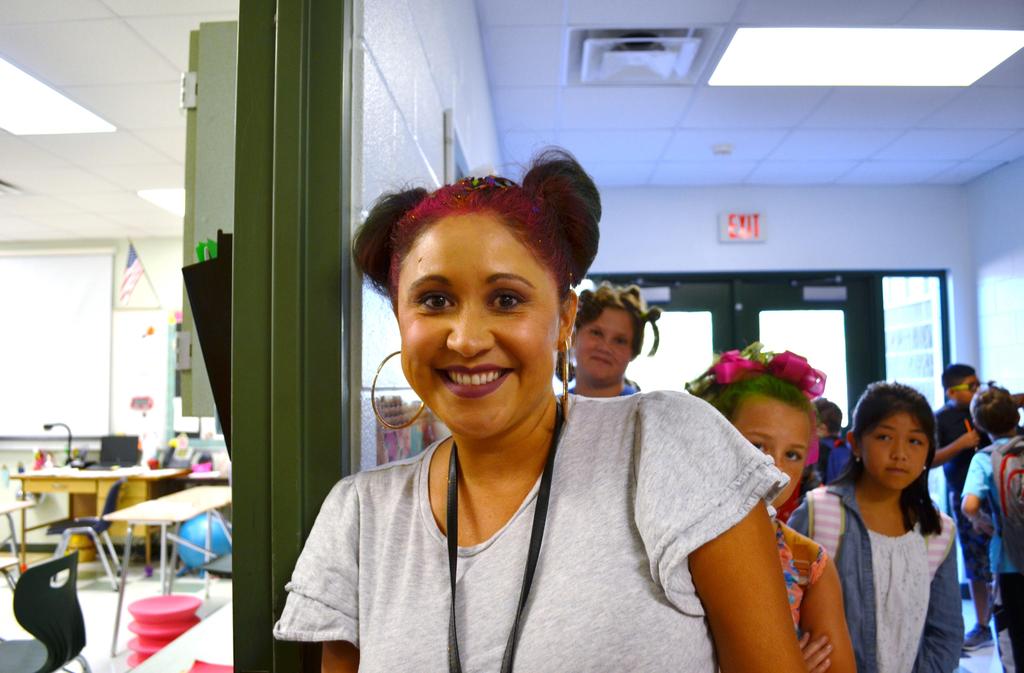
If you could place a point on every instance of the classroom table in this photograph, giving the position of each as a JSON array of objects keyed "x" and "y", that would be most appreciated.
[
  {"x": 87, "y": 490},
  {"x": 169, "y": 510}
]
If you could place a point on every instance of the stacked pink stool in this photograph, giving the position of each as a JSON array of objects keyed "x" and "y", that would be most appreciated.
[{"x": 158, "y": 621}]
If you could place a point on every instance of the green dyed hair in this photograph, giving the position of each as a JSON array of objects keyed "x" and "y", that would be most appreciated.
[{"x": 727, "y": 399}]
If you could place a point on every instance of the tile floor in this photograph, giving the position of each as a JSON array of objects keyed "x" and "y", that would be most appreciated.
[{"x": 99, "y": 604}]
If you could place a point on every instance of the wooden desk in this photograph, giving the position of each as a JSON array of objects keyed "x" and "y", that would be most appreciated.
[
  {"x": 173, "y": 509},
  {"x": 87, "y": 491}
]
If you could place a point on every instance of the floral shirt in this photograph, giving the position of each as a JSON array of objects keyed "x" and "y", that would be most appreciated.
[{"x": 803, "y": 562}]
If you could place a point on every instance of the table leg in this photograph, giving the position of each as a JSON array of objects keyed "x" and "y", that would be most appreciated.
[
  {"x": 174, "y": 560},
  {"x": 120, "y": 591},
  {"x": 149, "y": 555},
  {"x": 208, "y": 554},
  {"x": 163, "y": 559},
  {"x": 23, "y": 538}
]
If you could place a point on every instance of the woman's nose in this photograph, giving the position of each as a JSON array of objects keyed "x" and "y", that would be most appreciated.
[{"x": 470, "y": 335}]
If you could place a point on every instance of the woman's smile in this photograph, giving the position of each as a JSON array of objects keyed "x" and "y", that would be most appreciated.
[{"x": 474, "y": 382}]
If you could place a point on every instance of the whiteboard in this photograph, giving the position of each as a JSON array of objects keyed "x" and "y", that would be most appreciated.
[{"x": 55, "y": 322}]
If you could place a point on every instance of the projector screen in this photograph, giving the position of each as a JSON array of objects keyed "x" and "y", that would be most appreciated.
[{"x": 55, "y": 343}]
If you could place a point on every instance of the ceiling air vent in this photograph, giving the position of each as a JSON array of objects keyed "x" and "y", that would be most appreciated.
[{"x": 639, "y": 57}]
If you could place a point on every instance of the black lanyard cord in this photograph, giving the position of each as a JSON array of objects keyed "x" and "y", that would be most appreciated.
[{"x": 536, "y": 537}]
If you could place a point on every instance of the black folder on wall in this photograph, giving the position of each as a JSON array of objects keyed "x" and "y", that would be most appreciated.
[{"x": 208, "y": 285}]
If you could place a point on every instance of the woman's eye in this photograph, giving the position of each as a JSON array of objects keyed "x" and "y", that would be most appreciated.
[
  {"x": 620, "y": 342},
  {"x": 795, "y": 456},
  {"x": 507, "y": 301},
  {"x": 435, "y": 302}
]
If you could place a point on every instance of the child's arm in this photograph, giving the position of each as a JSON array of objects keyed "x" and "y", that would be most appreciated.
[
  {"x": 822, "y": 614},
  {"x": 944, "y": 624}
]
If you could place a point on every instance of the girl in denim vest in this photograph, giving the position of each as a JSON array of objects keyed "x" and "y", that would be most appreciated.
[
  {"x": 891, "y": 546},
  {"x": 767, "y": 397}
]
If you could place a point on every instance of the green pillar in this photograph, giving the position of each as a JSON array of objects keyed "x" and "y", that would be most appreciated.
[{"x": 290, "y": 282}]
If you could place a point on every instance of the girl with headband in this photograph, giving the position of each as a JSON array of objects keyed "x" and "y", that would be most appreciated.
[
  {"x": 609, "y": 335},
  {"x": 767, "y": 396},
  {"x": 546, "y": 534}
]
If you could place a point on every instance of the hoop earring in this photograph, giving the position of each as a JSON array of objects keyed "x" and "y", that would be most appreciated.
[
  {"x": 373, "y": 399},
  {"x": 565, "y": 381}
]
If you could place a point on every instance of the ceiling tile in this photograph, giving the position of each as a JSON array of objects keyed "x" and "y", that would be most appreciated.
[
  {"x": 752, "y": 107},
  {"x": 109, "y": 202},
  {"x": 964, "y": 172},
  {"x": 9, "y": 224},
  {"x": 526, "y": 108},
  {"x": 99, "y": 149},
  {"x": 144, "y": 176},
  {"x": 155, "y": 218},
  {"x": 620, "y": 173},
  {"x": 981, "y": 108},
  {"x": 823, "y": 12},
  {"x": 78, "y": 53},
  {"x": 15, "y": 151},
  {"x": 659, "y": 14},
  {"x": 1010, "y": 149},
  {"x": 57, "y": 181},
  {"x": 169, "y": 35},
  {"x": 942, "y": 144},
  {"x": 520, "y": 146},
  {"x": 799, "y": 172},
  {"x": 879, "y": 107},
  {"x": 894, "y": 172},
  {"x": 716, "y": 172},
  {"x": 832, "y": 145},
  {"x": 972, "y": 14},
  {"x": 519, "y": 13},
  {"x": 169, "y": 141},
  {"x": 165, "y": 8},
  {"x": 1008, "y": 73},
  {"x": 80, "y": 223},
  {"x": 695, "y": 145},
  {"x": 33, "y": 232},
  {"x": 23, "y": 206},
  {"x": 585, "y": 107},
  {"x": 615, "y": 145},
  {"x": 42, "y": 11},
  {"x": 134, "y": 106},
  {"x": 524, "y": 56}
]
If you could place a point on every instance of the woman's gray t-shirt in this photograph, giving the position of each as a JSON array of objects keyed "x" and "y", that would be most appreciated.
[{"x": 639, "y": 483}]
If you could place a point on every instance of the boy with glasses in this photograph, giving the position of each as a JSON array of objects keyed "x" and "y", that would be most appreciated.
[{"x": 957, "y": 441}]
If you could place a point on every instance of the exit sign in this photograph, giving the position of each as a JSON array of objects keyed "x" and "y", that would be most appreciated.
[{"x": 741, "y": 227}]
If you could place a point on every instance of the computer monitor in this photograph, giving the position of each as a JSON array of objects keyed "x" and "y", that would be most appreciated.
[{"x": 122, "y": 450}]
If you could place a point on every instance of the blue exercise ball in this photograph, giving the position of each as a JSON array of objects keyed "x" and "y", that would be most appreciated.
[{"x": 194, "y": 531}]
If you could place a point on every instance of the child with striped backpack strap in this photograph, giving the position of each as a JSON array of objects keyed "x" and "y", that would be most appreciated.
[
  {"x": 827, "y": 523},
  {"x": 892, "y": 548}
]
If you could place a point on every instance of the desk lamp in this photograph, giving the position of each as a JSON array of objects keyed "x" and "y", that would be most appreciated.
[{"x": 51, "y": 426}]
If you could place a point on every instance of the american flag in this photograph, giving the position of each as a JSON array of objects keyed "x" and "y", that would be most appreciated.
[{"x": 133, "y": 271}]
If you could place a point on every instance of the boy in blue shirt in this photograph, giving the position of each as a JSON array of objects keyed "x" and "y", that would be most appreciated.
[{"x": 994, "y": 411}]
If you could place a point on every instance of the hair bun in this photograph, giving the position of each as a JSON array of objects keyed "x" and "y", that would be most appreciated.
[
  {"x": 567, "y": 195},
  {"x": 374, "y": 242}
]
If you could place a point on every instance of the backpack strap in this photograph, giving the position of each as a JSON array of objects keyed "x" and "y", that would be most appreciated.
[
  {"x": 826, "y": 520},
  {"x": 939, "y": 545}
]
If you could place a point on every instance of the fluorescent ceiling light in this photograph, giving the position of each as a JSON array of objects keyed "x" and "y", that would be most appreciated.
[
  {"x": 862, "y": 56},
  {"x": 171, "y": 200},
  {"x": 29, "y": 107}
]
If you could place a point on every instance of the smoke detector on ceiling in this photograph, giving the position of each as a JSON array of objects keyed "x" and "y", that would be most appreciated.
[{"x": 639, "y": 57}]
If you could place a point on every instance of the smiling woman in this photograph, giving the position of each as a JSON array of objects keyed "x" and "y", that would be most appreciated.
[{"x": 507, "y": 544}]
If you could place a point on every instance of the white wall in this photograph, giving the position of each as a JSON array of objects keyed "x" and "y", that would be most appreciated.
[
  {"x": 417, "y": 58},
  {"x": 995, "y": 202},
  {"x": 667, "y": 229}
]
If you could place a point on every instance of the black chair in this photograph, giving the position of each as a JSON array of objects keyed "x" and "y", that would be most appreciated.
[
  {"x": 96, "y": 528},
  {"x": 46, "y": 605}
]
